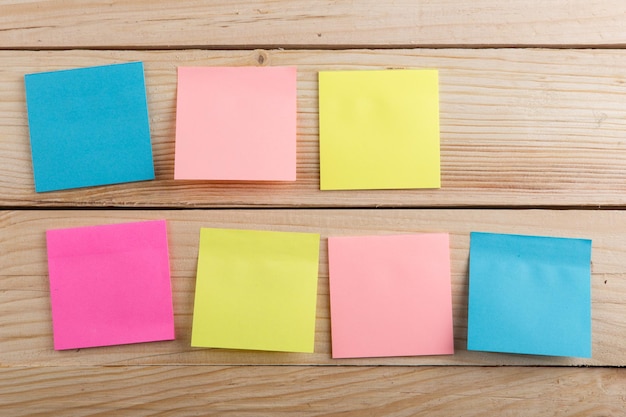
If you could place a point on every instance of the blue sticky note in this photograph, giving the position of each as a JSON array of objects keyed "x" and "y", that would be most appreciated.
[
  {"x": 530, "y": 295},
  {"x": 89, "y": 126}
]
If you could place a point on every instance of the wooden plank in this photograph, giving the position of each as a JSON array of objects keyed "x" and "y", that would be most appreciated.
[
  {"x": 518, "y": 128},
  {"x": 25, "y": 323},
  {"x": 227, "y": 24},
  {"x": 308, "y": 391}
]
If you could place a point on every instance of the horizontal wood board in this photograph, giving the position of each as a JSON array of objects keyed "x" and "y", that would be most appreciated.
[
  {"x": 25, "y": 322},
  {"x": 300, "y": 23},
  {"x": 519, "y": 128},
  {"x": 311, "y": 391}
]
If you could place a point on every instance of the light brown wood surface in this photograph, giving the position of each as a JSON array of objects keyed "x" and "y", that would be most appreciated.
[
  {"x": 26, "y": 308},
  {"x": 518, "y": 127},
  {"x": 226, "y": 24},
  {"x": 313, "y": 391},
  {"x": 533, "y": 131}
]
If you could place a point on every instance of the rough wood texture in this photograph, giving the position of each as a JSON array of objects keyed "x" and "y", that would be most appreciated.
[
  {"x": 160, "y": 23},
  {"x": 518, "y": 128},
  {"x": 25, "y": 323},
  {"x": 311, "y": 391}
]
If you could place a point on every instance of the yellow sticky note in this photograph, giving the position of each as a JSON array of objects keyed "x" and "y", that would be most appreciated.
[
  {"x": 256, "y": 290},
  {"x": 379, "y": 129}
]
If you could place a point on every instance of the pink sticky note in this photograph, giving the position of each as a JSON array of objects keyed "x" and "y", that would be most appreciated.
[
  {"x": 110, "y": 285},
  {"x": 236, "y": 123},
  {"x": 390, "y": 295}
]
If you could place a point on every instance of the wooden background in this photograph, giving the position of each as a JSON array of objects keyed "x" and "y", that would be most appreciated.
[{"x": 533, "y": 131}]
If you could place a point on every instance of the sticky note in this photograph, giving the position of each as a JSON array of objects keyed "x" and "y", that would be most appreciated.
[
  {"x": 379, "y": 129},
  {"x": 256, "y": 290},
  {"x": 236, "y": 123},
  {"x": 390, "y": 295},
  {"x": 89, "y": 126},
  {"x": 110, "y": 284},
  {"x": 530, "y": 295}
]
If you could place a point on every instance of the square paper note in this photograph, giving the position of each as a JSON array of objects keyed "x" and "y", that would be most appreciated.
[
  {"x": 256, "y": 290},
  {"x": 379, "y": 129},
  {"x": 89, "y": 126},
  {"x": 390, "y": 295},
  {"x": 110, "y": 285},
  {"x": 529, "y": 294},
  {"x": 236, "y": 123}
]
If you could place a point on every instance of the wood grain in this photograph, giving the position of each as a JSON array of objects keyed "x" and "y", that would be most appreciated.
[
  {"x": 311, "y": 391},
  {"x": 25, "y": 323},
  {"x": 337, "y": 23},
  {"x": 519, "y": 128}
]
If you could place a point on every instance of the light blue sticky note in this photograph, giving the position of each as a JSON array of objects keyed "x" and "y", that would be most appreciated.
[
  {"x": 529, "y": 294},
  {"x": 89, "y": 126}
]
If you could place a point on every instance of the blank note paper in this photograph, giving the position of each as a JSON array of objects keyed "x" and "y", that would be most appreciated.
[
  {"x": 390, "y": 295},
  {"x": 236, "y": 123},
  {"x": 256, "y": 290},
  {"x": 379, "y": 129},
  {"x": 89, "y": 126},
  {"x": 110, "y": 285},
  {"x": 530, "y": 294}
]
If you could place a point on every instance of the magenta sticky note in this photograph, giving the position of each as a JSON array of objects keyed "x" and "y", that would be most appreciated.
[
  {"x": 236, "y": 123},
  {"x": 390, "y": 295},
  {"x": 110, "y": 284}
]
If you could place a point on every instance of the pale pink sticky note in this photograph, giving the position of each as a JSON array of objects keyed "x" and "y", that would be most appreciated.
[
  {"x": 236, "y": 123},
  {"x": 390, "y": 295},
  {"x": 110, "y": 284}
]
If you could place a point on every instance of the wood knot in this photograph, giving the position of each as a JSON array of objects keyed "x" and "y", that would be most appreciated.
[{"x": 262, "y": 58}]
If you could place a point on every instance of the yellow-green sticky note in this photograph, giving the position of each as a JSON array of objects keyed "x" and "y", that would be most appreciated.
[
  {"x": 256, "y": 290},
  {"x": 379, "y": 129}
]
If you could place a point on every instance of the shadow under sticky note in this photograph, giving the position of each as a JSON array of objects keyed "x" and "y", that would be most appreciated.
[
  {"x": 529, "y": 295},
  {"x": 110, "y": 284},
  {"x": 89, "y": 127},
  {"x": 379, "y": 129},
  {"x": 236, "y": 123},
  {"x": 390, "y": 295},
  {"x": 256, "y": 290}
]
